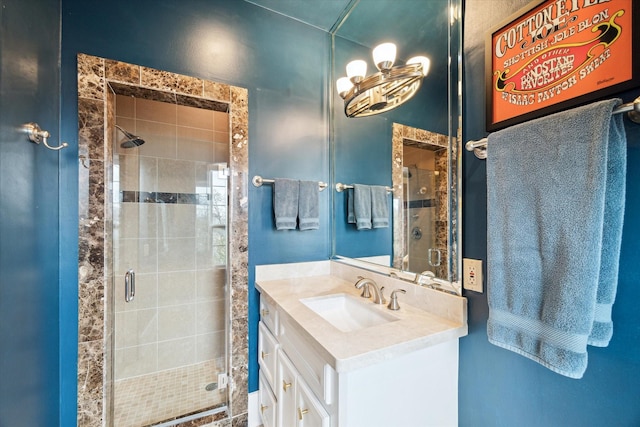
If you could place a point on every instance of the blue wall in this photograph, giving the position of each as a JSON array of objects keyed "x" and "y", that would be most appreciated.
[
  {"x": 498, "y": 387},
  {"x": 29, "y": 281},
  {"x": 282, "y": 63}
]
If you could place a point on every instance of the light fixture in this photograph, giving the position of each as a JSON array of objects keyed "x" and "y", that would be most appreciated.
[{"x": 389, "y": 88}]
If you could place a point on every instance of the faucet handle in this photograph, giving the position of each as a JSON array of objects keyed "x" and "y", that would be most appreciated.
[{"x": 393, "y": 304}]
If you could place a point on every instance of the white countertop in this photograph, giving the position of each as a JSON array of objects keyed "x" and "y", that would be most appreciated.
[{"x": 344, "y": 351}]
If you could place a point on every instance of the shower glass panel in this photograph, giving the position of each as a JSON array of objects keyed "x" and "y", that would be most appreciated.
[
  {"x": 420, "y": 211},
  {"x": 170, "y": 201}
]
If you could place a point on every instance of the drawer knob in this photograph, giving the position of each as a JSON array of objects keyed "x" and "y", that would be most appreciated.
[
  {"x": 264, "y": 312},
  {"x": 264, "y": 355},
  {"x": 263, "y": 408},
  {"x": 285, "y": 386},
  {"x": 301, "y": 413}
]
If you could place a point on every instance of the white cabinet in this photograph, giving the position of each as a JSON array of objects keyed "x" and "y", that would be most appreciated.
[
  {"x": 309, "y": 409},
  {"x": 286, "y": 391},
  {"x": 418, "y": 388},
  {"x": 267, "y": 402},
  {"x": 267, "y": 347},
  {"x": 297, "y": 405}
]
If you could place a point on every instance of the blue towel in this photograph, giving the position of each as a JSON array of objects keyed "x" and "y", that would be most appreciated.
[
  {"x": 351, "y": 215},
  {"x": 379, "y": 206},
  {"x": 308, "y": 209},
  {"x": 547, "y": 182},
  {"x": 602, "y": 329},
  {"x": 285, "y": 203},
  {"x": 362, "y": 206}
]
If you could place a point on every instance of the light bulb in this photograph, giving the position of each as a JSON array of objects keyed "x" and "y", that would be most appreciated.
[
  {"x": 344, "y": 85},
  {"x": 421, "y": 60},
  {"x": 356, "y": 70},
  {"x": 384, "y": 55}
]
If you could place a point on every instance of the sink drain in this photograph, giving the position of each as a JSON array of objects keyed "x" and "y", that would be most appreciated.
[{"x": 211, "y": 386}]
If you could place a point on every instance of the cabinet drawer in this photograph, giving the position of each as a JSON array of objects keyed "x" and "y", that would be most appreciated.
[
  {"x": 267, "y": 402},
  {"x": 319, "y": 376},
  {"x": 309, "y": 411},
  {"x": 286, "y": 385},
  {"x": 269, "y": 315},
  {"x": 267, "y": 347}
]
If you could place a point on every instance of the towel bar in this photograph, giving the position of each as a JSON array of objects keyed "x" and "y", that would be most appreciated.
[
  {"x": 258, "y": 181},
  {"x": 479, "y": 147},
  {"x": 341, "y": 187}
]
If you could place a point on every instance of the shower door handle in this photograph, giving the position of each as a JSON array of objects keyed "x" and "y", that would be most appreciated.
[
  {"x": 435, "y": 263},
  {"x": 129, "y": 285}
]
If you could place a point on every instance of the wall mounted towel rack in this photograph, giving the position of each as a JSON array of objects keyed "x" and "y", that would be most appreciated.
[
  {"x": 258, "y": 181},
  {"x": 479, "y": 147},
  {"x": 341, "y": 187}
]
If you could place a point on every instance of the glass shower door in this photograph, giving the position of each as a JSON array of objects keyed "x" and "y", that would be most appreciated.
[{"x": 170, "y": 274}]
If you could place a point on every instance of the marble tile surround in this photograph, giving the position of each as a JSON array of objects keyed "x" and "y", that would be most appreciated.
[
  {"x": 95, "y": 117},
  {"x": 407, "y": 135}
]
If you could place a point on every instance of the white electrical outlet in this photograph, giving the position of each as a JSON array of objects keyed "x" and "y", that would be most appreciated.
[{"x": 472, "y": 274}]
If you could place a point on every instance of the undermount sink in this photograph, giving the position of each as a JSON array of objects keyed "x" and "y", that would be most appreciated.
[{"x": 348, "y": 313}]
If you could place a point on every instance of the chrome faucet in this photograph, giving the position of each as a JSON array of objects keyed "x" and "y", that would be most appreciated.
[{"x": 378, "y": 297}]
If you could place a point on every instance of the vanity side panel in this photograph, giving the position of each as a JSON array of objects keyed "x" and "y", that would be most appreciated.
[{"x": 419, "y": 388}]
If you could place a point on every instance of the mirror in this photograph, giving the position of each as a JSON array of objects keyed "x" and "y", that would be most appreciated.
[{"x": 413, "y": 148}]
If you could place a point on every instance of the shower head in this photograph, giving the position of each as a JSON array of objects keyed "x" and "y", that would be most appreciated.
[{"x": 131, "y": 140}]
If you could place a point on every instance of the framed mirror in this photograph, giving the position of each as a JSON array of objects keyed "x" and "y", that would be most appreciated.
[{"x": 414, "y": 149}]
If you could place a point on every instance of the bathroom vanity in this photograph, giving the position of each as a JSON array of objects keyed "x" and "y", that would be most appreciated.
[{"x": 330, "y": 358}]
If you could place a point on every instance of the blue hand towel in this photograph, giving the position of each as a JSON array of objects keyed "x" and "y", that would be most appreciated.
[
  {"x": 379, "y": 206},
  {"x": 308, "y": 209},
  {"x": 351, "y": 215},
  {"x": 285, "y": 203},
  {"x": 547, "y": 181},
  {"x": 362, "y": 206}
]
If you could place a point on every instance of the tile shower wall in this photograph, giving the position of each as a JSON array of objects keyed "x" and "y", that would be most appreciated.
[{"x": 170, "y": 224}]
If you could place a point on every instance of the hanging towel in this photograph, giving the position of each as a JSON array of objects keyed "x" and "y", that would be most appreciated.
[
  {"x": 379, "y": 206},
  {"x": 308, "y": 210},
  {"x": 285, "y": 203},
  {"x": 351, "y": 215},
  {"x": 547, "y": 181},
  {"x": 362, "y": 206},
  {"x": 602, "y": 329}
]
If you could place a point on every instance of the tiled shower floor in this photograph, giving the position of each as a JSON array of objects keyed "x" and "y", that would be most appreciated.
[{"x": 150, "y": 399}]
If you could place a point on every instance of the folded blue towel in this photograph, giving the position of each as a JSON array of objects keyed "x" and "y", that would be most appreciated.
[
  {"x": 547, "y": 181},
  {"x": 308, "y": 206},
  {"x": 362, "y": 206},
  {"x": 285, "y": 203},
  {"x": 379, "y": 206}
]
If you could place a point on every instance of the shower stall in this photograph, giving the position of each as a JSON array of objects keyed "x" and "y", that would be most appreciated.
[{"x": 170, "y": 254}]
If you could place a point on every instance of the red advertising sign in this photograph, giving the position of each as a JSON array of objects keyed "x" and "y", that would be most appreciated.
[{"x": 559, "y": 54}]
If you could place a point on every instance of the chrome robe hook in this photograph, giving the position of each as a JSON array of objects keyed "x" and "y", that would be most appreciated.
[{"x": 37, "y": 135}]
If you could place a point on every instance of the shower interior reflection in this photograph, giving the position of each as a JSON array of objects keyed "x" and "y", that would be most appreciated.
[
  {"x": 170, "y": 226},
  {"x": 424, "y": 186}
]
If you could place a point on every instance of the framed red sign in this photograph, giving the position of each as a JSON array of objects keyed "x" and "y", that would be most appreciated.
[{"x": 557, "y": 54}]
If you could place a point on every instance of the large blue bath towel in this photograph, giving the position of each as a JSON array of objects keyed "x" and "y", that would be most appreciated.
[{"x": 552, "y": 259}]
